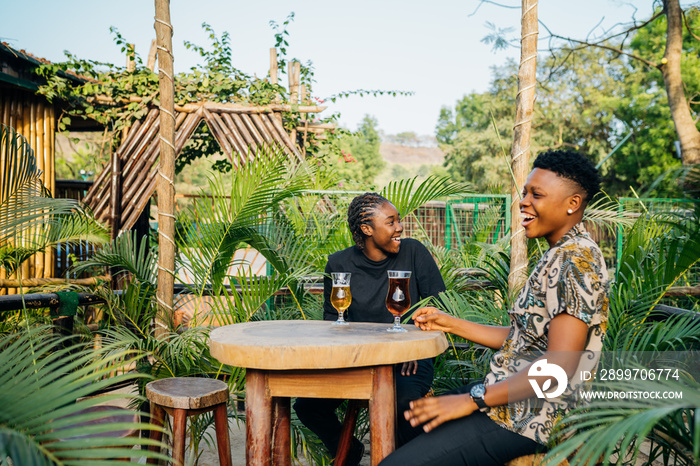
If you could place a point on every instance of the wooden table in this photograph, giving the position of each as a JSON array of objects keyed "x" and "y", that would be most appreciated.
[{"x": 316, "y": 359}]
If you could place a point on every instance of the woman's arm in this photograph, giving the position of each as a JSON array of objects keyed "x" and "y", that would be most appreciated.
[
  {"x": 430, "y": 318},
  {"x": 567, "y": 338}
]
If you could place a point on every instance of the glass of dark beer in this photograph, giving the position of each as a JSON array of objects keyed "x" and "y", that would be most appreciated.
[
  {"x": 340, "y": 295},
  {"x": 398, "y": 299}
]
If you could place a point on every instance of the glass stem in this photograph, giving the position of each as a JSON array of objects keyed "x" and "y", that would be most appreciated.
[{"x": 397, "y": 321}]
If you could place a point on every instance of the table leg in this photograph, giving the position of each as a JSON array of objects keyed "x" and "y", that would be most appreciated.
[
  {"x": 281, "y": 431},
  {"x": 258, "y": 411},
  {"x": 382, "y": 409}
]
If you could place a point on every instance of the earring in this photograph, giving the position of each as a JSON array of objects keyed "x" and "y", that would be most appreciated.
[{"x": 569, "y": 211}]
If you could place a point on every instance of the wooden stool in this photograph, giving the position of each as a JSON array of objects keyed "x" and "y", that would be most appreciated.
[{"x": 181, "y": 397}]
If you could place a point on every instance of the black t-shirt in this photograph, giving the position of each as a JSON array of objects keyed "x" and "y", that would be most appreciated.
[{"x": 369, "y": 283}]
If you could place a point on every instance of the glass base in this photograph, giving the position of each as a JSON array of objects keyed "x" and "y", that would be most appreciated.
[
  {"x": 341, "y": 319},
  {"x": 396, "y": 330}
]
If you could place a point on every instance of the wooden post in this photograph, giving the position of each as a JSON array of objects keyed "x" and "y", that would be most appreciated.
[
  {"x": 151, "y": 63},
  {"x": 166, "y": 168},
  {"x": 130, "y": 57},
  {"x": 115, "y": 205},
  {"x": 294, "y": 69},
  {"x": 115, "y": 195},
  {"x": 273, "y": 65},
  {"x": 304, "y": 118},
  {"x": 520, "y": 153}
]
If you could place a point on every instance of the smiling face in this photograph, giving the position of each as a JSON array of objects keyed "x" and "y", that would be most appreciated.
[
  {"x": 383, "y": 236},
  {"x": 544, "y": 208}
]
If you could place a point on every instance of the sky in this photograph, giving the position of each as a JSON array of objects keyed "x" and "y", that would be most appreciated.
[{"x": 433, "y": 49}]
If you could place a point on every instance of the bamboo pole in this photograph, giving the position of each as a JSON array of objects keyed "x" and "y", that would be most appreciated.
[
  {"x": 49, "y": 122},
  {"x": 520, "y": 153},
  {"x": 26, "y": 130},
  {"x": 29, "y": 282},
  {"x": 41, "y": 152},
  {"x": 166, "y": 169}
]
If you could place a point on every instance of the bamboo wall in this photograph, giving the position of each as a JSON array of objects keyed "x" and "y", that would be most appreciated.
[{"x": 35, "y": 119}]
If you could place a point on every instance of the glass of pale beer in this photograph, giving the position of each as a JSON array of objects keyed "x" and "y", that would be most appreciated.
[
  {"x": 398, "y": 299},
  {"x": 341, "y": 296}
]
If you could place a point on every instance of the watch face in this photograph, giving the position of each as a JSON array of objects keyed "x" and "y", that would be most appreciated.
[{"x": 478, "y": 391}]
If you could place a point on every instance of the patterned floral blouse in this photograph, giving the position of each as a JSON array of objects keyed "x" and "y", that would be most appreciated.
[{"x": 570, "y": 277}]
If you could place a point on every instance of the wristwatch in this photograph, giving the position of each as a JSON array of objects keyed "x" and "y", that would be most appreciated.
[{"x": 477, "y": 393}]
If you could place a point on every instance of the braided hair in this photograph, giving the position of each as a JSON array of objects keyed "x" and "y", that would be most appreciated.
[{"x": 361, "y": 212}]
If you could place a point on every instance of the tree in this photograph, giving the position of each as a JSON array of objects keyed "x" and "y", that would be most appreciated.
[
  {"x": 683, "y": 109},
  {"x": 686, "y": 128},
  {"x": 589, "y": 100},
  {"x": 356, "y": 156},
  {"x": 475, "y": 135}
]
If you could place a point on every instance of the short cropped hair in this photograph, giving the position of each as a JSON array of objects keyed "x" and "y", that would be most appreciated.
[
  {"x": 573, "y": 166},
  {"x": 361, "y": 212}
]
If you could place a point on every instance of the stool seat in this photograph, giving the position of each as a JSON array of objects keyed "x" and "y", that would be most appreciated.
[
  {"x": 182, "y": 397},
  {"x": 187, "y": 392}
]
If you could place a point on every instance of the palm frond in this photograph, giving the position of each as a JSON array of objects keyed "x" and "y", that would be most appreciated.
[
  {"x": 215, "y": 229},
  {"x": 606, "y": 213},
  {"x": 42, "y": 379},
  {"x": 126, "y": 255},
  {"x": 30, "y": 219},
  {"x": 406, "y": 199},
  {"x": 591, "y": 434}
]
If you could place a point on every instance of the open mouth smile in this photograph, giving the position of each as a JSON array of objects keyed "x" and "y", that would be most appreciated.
[{"x": 526, "y": 218}]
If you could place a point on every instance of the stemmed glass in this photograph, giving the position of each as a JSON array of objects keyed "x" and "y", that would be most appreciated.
[
  {"x": 341, "y": 296},
  {"x": 398, "y": 299}
]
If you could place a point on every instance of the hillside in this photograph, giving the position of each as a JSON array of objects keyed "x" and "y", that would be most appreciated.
[
  {"x": 407, "y": 155},
  {"x": 407, "y": 161}
]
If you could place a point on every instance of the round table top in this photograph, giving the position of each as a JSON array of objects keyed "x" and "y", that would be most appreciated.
[{"x": 314, "y": 344}]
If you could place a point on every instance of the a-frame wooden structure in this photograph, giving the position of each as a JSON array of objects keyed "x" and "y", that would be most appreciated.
[{"x": 124, "y": 188}]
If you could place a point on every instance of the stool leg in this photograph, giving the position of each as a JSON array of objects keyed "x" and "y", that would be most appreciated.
[
  {"x": 348, "y": 429},
  {"x": 157, "y": 418},
  {"x": 179, "y": 432},
  {"x": 222, "y": 440}
]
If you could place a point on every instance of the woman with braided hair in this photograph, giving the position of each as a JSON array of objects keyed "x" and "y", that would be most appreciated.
[{"x": 376, "y": 230}]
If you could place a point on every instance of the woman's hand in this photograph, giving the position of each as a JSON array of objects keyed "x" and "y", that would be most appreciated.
[
  {"x": 409, "y": 368},
  {"x": 430, "y": 318},
  {"x": 435, "y": 410}
]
